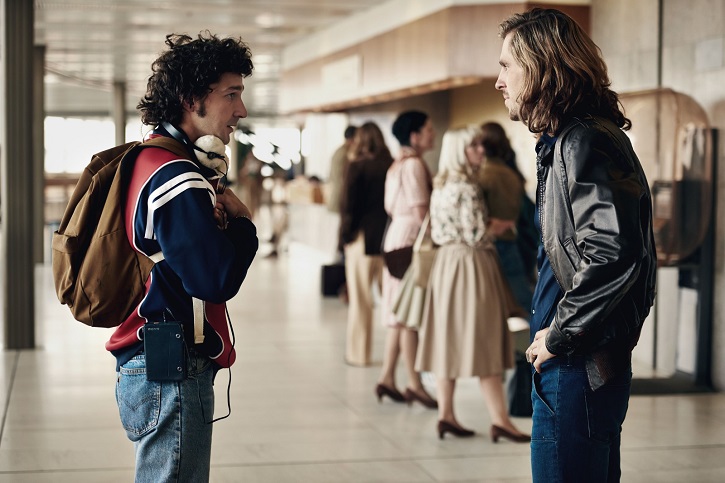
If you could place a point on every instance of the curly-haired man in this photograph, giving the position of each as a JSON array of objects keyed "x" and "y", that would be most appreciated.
[
  {"x": 597, "y": 262},
  {"x": 178, "y": 207}
]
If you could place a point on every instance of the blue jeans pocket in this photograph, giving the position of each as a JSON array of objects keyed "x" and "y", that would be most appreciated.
[
  {"x": 139, "y": 400},
  {"x": 543, "y": 399}
]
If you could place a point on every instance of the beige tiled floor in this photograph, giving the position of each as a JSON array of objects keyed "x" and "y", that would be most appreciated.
[{"x": 299, "y": 414}]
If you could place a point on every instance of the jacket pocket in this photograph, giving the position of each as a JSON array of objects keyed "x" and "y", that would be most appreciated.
[{"x": 572, "y": 253}]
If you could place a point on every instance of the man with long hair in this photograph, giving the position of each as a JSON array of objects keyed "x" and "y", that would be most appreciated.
[
  {"x": 597, "y": 264},
  {"x": 179, "y": 208}
]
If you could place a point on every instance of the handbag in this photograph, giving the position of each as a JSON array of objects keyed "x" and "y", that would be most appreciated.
[
  {"x": 424, "y": 252},
  {"x": 408, "y": 303},
  {"x": 398, "y": 261}
]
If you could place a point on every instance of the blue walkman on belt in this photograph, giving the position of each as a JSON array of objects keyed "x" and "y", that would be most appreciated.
[{"x": 165, "y": 351}]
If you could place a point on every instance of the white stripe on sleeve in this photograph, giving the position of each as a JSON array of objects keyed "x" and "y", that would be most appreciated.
[{"x": 169, "y": 190}]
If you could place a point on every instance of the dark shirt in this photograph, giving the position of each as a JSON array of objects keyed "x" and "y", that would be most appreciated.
[{"x": 547, "y": 293}]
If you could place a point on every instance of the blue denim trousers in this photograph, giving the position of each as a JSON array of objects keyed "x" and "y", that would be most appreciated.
[
  {"x": 576, "y": 431},
  {"x": 167, "y": 421}
]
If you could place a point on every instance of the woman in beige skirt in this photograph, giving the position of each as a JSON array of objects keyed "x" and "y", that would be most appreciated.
[{"x": 464, "y": 332}]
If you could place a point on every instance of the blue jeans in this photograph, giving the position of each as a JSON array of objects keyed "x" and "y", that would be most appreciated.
[
  {"x": 576, "y": 432},
  {"x": 166, "y": 422}
]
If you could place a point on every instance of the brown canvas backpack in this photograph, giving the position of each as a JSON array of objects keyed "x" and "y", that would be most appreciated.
[{"x": 96, "y": 271}]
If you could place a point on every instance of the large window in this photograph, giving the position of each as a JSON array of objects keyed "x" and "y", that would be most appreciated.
[{"x": 70, "y": 141}]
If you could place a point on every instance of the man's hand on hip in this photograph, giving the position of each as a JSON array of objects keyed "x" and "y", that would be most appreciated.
[{"x": 537, "y": 353}]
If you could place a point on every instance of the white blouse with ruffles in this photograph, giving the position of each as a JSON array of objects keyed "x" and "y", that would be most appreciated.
[{"x": 458, "y": 214}]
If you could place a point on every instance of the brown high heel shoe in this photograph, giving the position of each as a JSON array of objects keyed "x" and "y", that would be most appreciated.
[
  {"x": 383, "y": 390},
  {"x": 446, "y": 427},
  {"x": 499, "y": 432},
  {"x": 424, "y": 398}
]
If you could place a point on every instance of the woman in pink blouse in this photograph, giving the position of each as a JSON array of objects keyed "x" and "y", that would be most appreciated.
[
  {"x": 464, "y": 331},
  {"x": 407, "y": 195}
]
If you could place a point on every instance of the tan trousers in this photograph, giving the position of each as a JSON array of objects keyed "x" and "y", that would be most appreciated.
[{"x": 361, "y": 272}]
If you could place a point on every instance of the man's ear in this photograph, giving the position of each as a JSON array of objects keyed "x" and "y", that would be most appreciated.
[{"x": 188, "y": 106}]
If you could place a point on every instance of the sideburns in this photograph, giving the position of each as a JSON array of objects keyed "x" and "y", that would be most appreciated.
[{"x": 201, "y": 110}]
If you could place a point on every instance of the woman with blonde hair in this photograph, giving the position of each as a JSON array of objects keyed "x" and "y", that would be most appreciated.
[
  {"x": 362, "y": 223},
  {"x": 464, "y": 332}
]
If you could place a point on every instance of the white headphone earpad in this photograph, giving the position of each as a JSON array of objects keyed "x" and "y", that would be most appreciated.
[{"x": 212, "y": 144}]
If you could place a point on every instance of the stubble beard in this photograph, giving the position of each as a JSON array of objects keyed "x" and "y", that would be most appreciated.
[
  {"x": 512, "y": 108},
  {"x": 514, "y": 113}
]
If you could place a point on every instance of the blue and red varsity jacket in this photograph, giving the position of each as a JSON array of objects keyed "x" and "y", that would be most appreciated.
[{"x": 169, "y": 208}]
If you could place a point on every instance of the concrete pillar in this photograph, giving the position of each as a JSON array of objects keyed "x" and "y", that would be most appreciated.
[
  {"x": 39, "y": 154},
  {"x": 17, "y": 174}
]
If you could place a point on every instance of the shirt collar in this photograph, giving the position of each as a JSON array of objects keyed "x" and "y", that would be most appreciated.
[
  {"x": 544, "y": 147},
  {"x": 548, "y": 140}
]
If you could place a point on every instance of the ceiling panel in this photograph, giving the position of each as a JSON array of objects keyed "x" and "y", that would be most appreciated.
[{"x": 90, "y": 44}]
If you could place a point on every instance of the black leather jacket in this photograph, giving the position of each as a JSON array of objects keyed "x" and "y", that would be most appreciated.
[{"x": 596, "y": 220}]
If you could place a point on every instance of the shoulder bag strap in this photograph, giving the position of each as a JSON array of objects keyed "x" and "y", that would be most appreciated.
[{"x": 423, "y": 234}]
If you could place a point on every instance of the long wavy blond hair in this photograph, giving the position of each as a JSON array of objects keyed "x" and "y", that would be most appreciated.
[
  {"x": 565, "y": 75},
  {"x": 453, "y": 162}
]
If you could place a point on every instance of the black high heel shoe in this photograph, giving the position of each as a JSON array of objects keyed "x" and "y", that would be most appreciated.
[
  {"x": 383, "y": 390},
  {"x": 424, "y": 398},
  {"x": 499, "y": 432},
  {"x": 446, "y": 427}
]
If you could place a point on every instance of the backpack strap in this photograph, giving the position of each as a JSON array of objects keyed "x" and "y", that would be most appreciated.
[
  {"x": 157, "y": 257},
  {"x": 198, "y": 306},
  {"x": 168, "y": 144},
  {"x": 179, "y": 149}
]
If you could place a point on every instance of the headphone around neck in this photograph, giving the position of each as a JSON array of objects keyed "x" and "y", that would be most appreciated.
[{"x": 212, "y": 160}]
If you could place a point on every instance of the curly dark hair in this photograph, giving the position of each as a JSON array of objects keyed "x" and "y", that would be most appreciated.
[
  {"x": 565, "y": 74},
  {"x": 185, "y": 71}
]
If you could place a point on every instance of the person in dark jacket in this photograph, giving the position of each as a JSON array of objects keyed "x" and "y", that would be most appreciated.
[
  {"x": 362, "y": 224},
  {"x": 597, "y": 264}
]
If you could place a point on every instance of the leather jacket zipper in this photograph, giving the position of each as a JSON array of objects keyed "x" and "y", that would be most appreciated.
[{"x": 541, "y": 187}]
